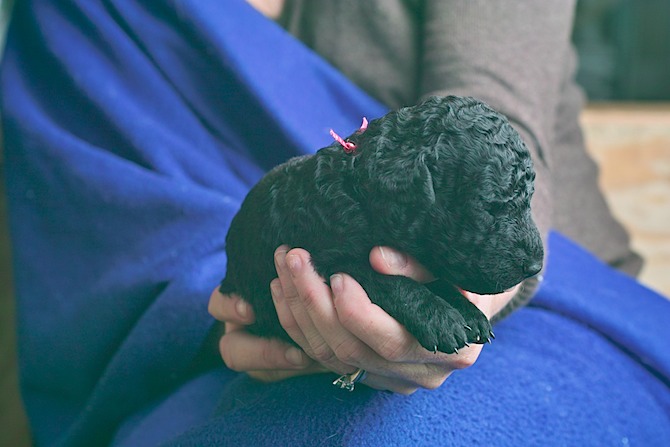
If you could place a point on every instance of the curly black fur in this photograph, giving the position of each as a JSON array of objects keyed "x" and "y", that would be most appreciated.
[{"x": 448, "y": 181}]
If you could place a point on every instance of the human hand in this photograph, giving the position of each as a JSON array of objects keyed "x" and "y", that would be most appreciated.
[
  {"x": 264, "y": 359},
  {"x": 340, "y": 328},
  {"x": 343, "y": 330}
]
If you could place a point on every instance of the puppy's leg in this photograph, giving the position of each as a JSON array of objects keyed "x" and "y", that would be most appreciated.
[
  {"x": 478, "y": 326},
  {"x": 435, "y": 323}
]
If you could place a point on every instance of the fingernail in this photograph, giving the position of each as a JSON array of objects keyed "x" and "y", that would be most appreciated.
[
  {"x": 393, "y": 259},
  {"x": 295, "y": 356},
  {"x": 242, "y": 309},
  {"x": 336, "y": 283},
  {"x": 280, "y": 257},
  {"x": 294, "y": 263}
]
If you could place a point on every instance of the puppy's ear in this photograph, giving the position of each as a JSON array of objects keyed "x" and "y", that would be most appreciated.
[
  {"x": 401, "y": 174},
  {"x": 429, "y": 185},
  {"x": 396, "y": 157}
]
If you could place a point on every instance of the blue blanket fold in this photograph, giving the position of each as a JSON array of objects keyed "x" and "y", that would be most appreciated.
[{"x": 133, "y": 131}]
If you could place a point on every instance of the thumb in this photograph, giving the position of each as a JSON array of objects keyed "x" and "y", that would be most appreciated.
[{"x": 389, "y": 261}]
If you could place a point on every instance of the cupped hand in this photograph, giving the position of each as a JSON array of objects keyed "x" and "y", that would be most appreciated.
[
  {"x": 262, "y": 358},
  {"x": 340, "y": 328}
]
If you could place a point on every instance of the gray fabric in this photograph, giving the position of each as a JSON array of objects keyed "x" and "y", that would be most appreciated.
[{"x": 514, "y": 54}]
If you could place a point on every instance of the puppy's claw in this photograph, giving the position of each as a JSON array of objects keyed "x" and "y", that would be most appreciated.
[
  {"x": 488, "y": 340},
  {"x": 493, "y": 336},
  {"x": 467, "y": 327},
  {"x": 455, "y": 351},
  {"x": 467, "y": 344},
  {"x": 435, "y": 349}
]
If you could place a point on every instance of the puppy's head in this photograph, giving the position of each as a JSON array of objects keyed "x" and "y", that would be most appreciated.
[{"x": 450, "y": 181}]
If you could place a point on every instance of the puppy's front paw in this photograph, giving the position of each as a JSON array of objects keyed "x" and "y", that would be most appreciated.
[
  {"x": 435, "y": 322},
  {"x": 478, "y": 327},
  {"x": 440, "y": 327}
]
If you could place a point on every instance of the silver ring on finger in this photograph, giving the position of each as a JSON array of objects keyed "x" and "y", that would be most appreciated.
[{"x": 348, "y": 381}]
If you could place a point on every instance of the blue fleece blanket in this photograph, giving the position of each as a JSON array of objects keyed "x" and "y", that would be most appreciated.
[{"x": 133, "y": 131}]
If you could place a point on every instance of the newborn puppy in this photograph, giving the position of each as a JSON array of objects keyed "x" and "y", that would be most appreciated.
[{"x": 448, "y": 181}]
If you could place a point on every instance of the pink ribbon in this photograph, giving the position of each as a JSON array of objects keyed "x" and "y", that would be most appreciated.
[{"x": 348, "y": 146}]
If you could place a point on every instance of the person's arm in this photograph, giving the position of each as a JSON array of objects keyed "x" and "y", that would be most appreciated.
[
  {"x": 515, "y": 56},
  {"x": 512, "y": 55}
]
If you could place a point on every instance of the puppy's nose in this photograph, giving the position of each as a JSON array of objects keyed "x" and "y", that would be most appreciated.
[{"x": 532, "y": 268}]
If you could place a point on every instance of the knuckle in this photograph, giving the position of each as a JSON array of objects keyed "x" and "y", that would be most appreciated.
[
  {"x": 351, "y": 318},
  {"x": 215, "y": 306},
  {"x": 309, "y": 299},
  {"x": 290, "y": 326},
  {"x": 287, "y": 321},
  {"x": 228, "y": 356},
  {"x": 463, "y": 362},
  {"x": 393, "y": 350},
  {"x": 268, "y": 355},
  {"x": 349, "y": 352},
  {"x": 433, "y": 382},
  {"x": 346, "y": 315},
  {"x": 275, "y": 289},
  {"x": 323, "y": 353}
]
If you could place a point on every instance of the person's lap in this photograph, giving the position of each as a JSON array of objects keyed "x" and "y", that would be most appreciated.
[
  {"x": 556, "y": 374},
  {"x": 575, "y": 366}
]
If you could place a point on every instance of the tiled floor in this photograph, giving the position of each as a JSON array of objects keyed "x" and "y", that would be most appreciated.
[{"x": 632, "y": 146}]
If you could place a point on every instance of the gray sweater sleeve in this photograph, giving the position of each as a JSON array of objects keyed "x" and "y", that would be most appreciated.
[{"x": 512, "y": 54}]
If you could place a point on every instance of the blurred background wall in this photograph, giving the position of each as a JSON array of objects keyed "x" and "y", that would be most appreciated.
[
  {"x": 624, "y": 55},
  {"x": 624, "y": 49}
]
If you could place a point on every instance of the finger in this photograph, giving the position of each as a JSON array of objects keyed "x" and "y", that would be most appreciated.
[
  {"x": 231, "y": 327},
  {"x": 283, "y": 271},
  {"x": 330, "y": 343},
  {"x": 429, "y": 375},
  {"x": 242, "y": 351},
  {"x": 286, "y": 275},
  {"x": 465, "y": 358},
  {"x": 406, "y": 347},
  {"x": 389, "y": 261},
  {"x": 293, "y": 317},
  {"x": 384, "y": 334},
  {"x": 286, "y": 318},
  {"x": 399, "y": 354},
  {"x": 230, "y": 308},
  {"x": 371, "y": 324},
  {"x": 313, "y": 309}
]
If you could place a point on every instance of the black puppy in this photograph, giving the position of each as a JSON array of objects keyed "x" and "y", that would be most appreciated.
[{"x": 448, "y": 181}]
